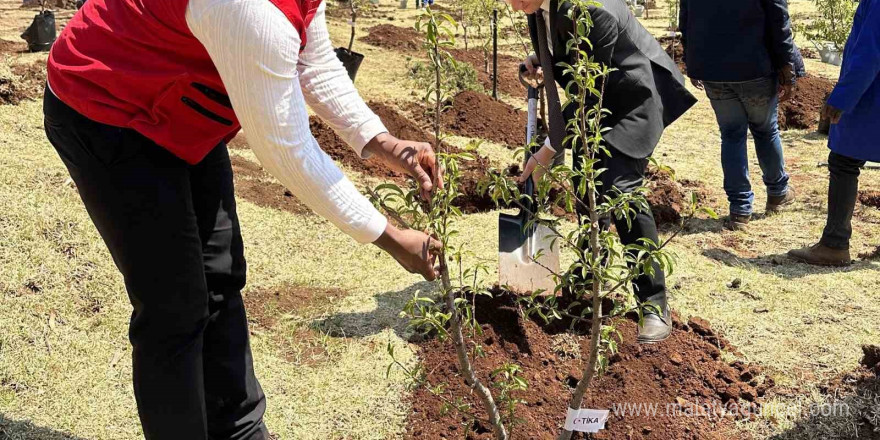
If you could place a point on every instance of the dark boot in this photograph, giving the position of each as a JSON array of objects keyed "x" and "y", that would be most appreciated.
[
  {"x": 655, "y": 327},
  {"x": 774, "y": 203},
  {"x": 821, "y": 255}
]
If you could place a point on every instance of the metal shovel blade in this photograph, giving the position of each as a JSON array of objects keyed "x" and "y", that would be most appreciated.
[{"x": 524, "y": 256}]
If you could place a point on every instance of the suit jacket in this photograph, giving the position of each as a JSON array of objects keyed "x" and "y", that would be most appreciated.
[{"x": 647, "y": 91}]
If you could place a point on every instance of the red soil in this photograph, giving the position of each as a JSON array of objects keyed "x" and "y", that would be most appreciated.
[
  {"x": 408, "y": 40},
  {"x": 388, "y": 36},
  {"x": 684, "y": 371},
  {"x": 802, "y": 111},
  {"x": 254, "y": 184},
  {"x": 27, "y": 83},
  {"x": 669, "y": 199},
  {"x": 479, "y": 116},
  {"x": 870, "y": 198}
]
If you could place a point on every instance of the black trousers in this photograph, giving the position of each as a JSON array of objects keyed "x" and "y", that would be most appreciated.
[
  {"x": 843, "y": 188},
  {"x": 627, "y": 174},
  {"x": 173, "y": 232}
]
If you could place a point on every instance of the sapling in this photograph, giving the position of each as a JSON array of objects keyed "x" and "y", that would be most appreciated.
[
  {"x": 602, "y": 266},
  {"x": 454, "y": 316},
  {"x": 833, "y": 23}
]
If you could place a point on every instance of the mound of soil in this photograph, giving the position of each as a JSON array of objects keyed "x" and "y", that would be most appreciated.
[
  {"x": 27, "y": 82},
  {"x": 253, "y": 184},
  {"x": 479, "y": 116},
  {"x": 508, "y": 71},
  {"x": 683, "y": 373},
  {"x": 7, "y": 46},
  {"x": 408, "y": 40},
  {"x": 675, "y": 51},
  {"x": 871, "y": 358},
  {"x": 392, "y": 37},
  {"x": 670, "y": 198},
  {"x": 276, "y": 196},
  {"x": 802, "y": 111},
  {"x": 870, "y": 198}
]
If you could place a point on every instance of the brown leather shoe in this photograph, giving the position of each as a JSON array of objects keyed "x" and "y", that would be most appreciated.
[
  {"x": 774, "y": 203},
  {"x": 821, "y": 255},
  {"x": 736, "y": 222}
]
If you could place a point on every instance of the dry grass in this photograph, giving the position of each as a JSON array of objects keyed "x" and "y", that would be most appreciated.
[{"x": 64, "y": 357}]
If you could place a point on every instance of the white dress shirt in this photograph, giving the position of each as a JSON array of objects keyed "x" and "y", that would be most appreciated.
[{"x": 257, "y": 53}]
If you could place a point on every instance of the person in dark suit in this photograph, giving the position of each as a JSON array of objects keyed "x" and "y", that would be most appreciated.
[{"x": 645, "y": 94}]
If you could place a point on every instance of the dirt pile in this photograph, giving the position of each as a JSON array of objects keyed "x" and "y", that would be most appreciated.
[
  {"x": 254, "y": 184},
  {"x": 681, "y": 375},
  {"x": 871, "y": 358},
  {"x": 669, "y": 198},
  {"x": 870, "y": 198},
  {"x": 273, "y": 195},
  {"x": 477, "y": 115},
  {"x": 508, "y": 71},
  {"x": 408, "y": 40},
  {"x": 7, "y": 46},
  {"x": 675, "y": 50},
  {"x": 25, "y": 81},
  {"x": 392, "y": 37},
  {"x": 802, "y": 111}
]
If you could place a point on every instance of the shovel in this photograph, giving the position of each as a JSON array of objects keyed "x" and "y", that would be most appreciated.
[{"x": 526, "y": 255}]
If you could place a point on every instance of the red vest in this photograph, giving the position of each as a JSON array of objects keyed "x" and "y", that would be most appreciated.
[{"x": 135, "y": 64}]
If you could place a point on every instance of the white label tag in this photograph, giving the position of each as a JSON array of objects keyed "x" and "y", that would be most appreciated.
[{"x": 586, "y": 420}]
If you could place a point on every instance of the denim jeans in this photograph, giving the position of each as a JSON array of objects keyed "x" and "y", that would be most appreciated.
[
  {"x": 843, "y": 188},
  {"x": 740, "y": 108}
]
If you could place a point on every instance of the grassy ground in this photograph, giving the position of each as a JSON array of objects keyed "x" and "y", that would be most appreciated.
[{"x": 65, "y": 360}]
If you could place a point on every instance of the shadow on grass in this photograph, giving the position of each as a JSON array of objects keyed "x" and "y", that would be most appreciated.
[
  {"x": 385, "y": 315},
  {"x": 850, "y": 411},
  {"x": 25, "y": 430},
  {"x": 782, "y": 266}
]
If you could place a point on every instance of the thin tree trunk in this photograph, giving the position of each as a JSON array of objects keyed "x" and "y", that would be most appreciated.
[
  {"x": 353, "y": 19},
  {"x": 461, "y": 351},
  {"x": 464, "y": 361}
]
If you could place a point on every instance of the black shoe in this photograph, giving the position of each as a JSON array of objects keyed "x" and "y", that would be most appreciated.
[{"x": 655, "y": 328}]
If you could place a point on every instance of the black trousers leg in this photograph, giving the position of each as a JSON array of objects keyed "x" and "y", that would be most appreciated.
[
  {"x": 153, "y": 213},
  {"x": 843, "y": 188},
  {"x": 625, "y": 174},
  {"x": 234, "y": 399}
]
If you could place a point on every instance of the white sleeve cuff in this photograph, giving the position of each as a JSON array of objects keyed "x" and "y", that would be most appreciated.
[
  {"x": 547, "y": 143},
  {"x": 364, "y": 134},
  {"x": 373, "y": 229}
]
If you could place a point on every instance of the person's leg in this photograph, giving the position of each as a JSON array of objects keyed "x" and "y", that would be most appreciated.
[
  {"x": 733, "y": 123},
  {"x": 625, "y": 174},
  {"x": 234, "y": 400},
  {"x": 761, "y": 103},
  {"x": 138, "y": 196},
  {"x": 843, "y": 188}
]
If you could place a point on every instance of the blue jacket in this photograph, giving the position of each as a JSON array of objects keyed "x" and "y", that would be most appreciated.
[
  {"x": 858, "y": 91},
  {"x": 735, "y": 41}
]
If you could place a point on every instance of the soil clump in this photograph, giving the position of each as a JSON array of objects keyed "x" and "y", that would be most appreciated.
[{"x": 684, "y": 374}]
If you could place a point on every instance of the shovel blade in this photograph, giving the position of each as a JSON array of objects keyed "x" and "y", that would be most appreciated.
[{"x": 526, "y": 257}]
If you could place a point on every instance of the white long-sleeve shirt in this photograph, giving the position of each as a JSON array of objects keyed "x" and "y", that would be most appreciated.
[{"x": 257, "y": 53}]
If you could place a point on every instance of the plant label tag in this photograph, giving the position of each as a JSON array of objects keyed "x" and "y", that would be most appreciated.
[
  {"x": 586, "y": 420},
  {"x": 350, "y": 23}
]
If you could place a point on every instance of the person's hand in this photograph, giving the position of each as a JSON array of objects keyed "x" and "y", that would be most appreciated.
[
  {"x": 832, "y": 113},
  {"x": 697, "y": 83},
  {"x": 786, "y": 83},
  {"x": 533, "y": 68},
  {"x": 538, "y": 164},
  {"x": 414, "y": 158},
  {"x": 415, "y": 251}
]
